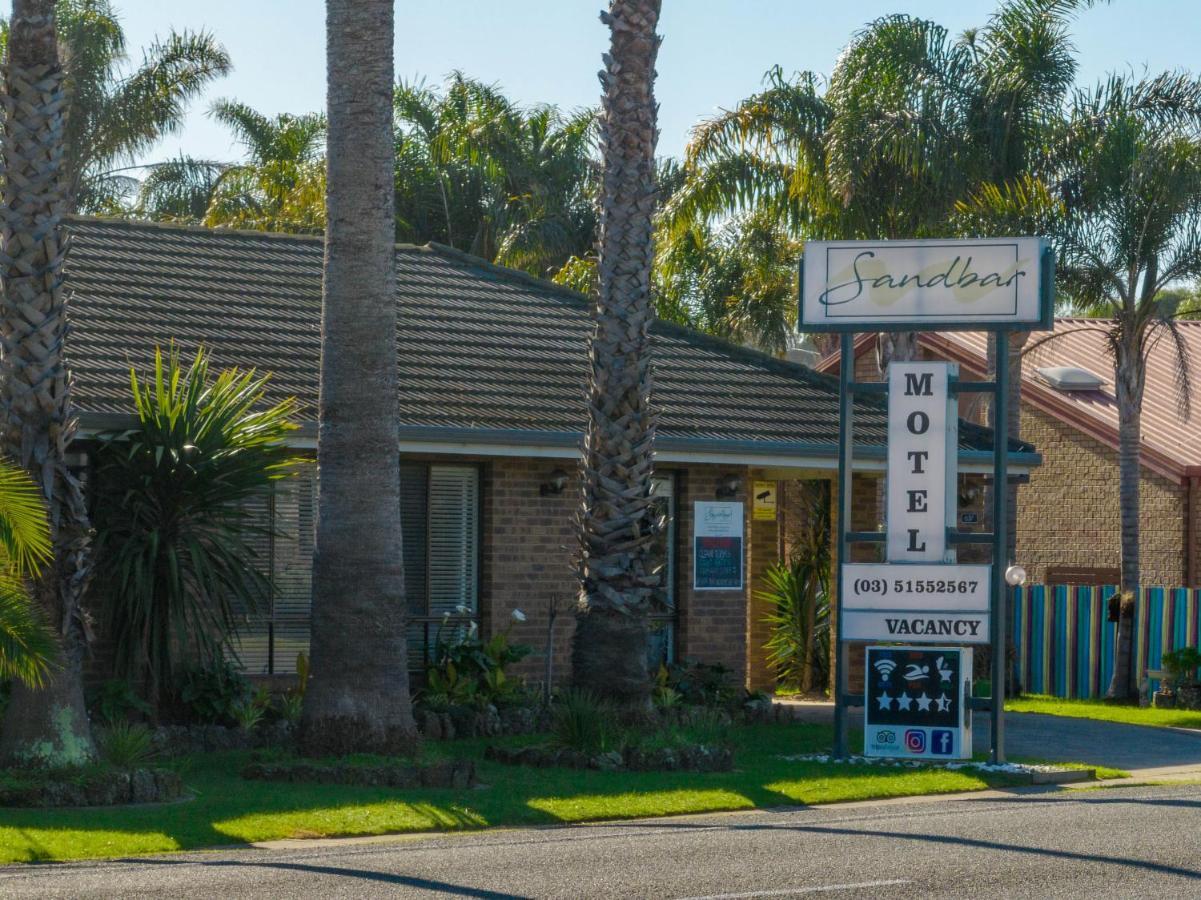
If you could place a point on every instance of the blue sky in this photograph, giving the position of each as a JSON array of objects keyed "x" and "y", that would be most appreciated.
[{"x": 714, "y": 51}]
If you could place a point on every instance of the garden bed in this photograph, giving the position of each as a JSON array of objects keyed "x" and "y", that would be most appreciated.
[
  {"x": 695, "y": 758},
  {"x": 406, "y": 774},
  {"x": 91, "y": 786}
]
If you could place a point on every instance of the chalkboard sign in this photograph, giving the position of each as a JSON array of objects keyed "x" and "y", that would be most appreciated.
[{"x": 717, "y": 546}]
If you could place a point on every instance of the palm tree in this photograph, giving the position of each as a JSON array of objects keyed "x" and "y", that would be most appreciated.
[
  {"x": 37, "y": 421},
  {"x": 481, "y": 174},
  {"x": 1129, "y": 177},
  {"x": 113, "y": 117},
  {"x": 617, "y": 520},
  {"x": 358, "y": 697},
  {"x": 27, "y": 646},
  {"x": 911, "y": 122}
]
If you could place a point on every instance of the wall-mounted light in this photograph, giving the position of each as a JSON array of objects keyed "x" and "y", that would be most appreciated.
[
  {"x": 554, "y": 485},
  {"x": 727, "y": 487}
]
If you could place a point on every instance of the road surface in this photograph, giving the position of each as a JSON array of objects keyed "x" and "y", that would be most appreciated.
[{"x": 1120, "y": 842}]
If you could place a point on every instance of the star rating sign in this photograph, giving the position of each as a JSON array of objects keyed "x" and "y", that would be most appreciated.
[
  {"x": 943, "y": 703},
  {"x": 904, "y": 702},
  {"x": 923, "y": 702},
  {"x": 885, "y": 701}
]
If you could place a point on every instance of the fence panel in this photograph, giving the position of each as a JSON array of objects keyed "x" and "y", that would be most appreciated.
[{"x": 1065, "y": 643}]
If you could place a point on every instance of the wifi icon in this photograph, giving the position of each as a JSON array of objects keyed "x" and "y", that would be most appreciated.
[{"x": 884, "y": 667}]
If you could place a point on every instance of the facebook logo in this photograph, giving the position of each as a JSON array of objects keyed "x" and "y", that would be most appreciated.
[{"x": 942, "y": 742}]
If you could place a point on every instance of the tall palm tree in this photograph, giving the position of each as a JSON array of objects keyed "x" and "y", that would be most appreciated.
[
  {"x": 358, "y": 698},
  {"x": 1130, "y": 180},
  {"x": 114, "y": 115},
  {"x": 912, "y": 120},
  {"x": 478, "y": 172},
  {"x": 37, "y": 421},
  {"x": 617, "y": 520}
]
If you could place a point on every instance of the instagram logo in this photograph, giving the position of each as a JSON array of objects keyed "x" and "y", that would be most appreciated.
[{"x": 915, "y": 741}]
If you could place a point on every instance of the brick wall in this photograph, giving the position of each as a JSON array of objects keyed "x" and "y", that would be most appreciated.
[
  {"x": 1069, "y": 514},
  {"x": 529, "y": 543}
]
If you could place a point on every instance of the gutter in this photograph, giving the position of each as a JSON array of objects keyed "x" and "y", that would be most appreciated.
[{"x": 436, "y": 439}]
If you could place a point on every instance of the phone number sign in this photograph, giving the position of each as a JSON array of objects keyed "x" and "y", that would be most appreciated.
[
  {"x": 916, "y": 603},
  {"x": 917, "y": 702}
]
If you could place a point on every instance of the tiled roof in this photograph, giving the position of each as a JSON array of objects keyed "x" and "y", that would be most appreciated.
[
  {"x": 480, "y": 347},
  {"x": 1170, "y": 441}
]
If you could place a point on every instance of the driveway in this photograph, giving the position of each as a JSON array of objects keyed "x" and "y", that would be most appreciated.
[{"x": 1035, "y": 736}]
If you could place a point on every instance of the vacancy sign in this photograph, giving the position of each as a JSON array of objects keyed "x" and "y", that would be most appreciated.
[
  {"x": 915, "y": 603},
  {"x": 923, "y": 284}
]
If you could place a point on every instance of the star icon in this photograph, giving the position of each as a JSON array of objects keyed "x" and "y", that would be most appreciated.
[
  {"x": 943, "y": 703},
  {"x": 904, "y": 702},
  {"x": 923, "y": 702},
  {"x": 885, "y": 701}
]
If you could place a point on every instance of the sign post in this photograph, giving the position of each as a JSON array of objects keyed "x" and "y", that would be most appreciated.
[{"x": 921, "y": 595}]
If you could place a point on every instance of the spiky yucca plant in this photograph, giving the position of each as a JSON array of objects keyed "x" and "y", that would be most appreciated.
[{"x": 174, "y": 534}]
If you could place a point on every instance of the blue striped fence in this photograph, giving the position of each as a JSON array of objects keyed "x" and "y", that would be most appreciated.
[{"x": 1064, "y": 642}]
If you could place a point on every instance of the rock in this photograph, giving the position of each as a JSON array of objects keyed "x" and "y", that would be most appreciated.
[
  {"x": 431, "y": 726},
  {"x": 141, "y": 786},
  {"x": 607, "y": 762}
]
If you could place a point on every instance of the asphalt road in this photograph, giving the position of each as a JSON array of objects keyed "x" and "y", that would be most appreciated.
[{"x": 1123, "y": 842}]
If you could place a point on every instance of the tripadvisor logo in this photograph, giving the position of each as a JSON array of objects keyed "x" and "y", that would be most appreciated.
[{"x": 957, "y": 276}]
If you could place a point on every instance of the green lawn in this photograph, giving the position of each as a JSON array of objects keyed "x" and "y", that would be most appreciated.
[
  {"x": 228, "y": 810},
  {"x": 1107, "y": 711}
]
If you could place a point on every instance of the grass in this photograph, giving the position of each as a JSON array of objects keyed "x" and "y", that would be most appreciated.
[
  {"x": 1107, "y": 711},
  {"x": 228, "y": 810}
]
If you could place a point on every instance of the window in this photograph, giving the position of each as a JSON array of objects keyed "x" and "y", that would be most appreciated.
[
  {"x": 271, "y": 638},
  {"x": 440, "y": 524},
  {"x": 664, "y": 614},
  {"x": 440, "y": 521}
]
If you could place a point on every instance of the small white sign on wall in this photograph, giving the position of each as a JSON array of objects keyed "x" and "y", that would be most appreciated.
[{"x": 717, "y": 550}]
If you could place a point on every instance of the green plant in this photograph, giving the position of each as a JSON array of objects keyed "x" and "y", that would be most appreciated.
[
  {"x": 210, "y": 693},
  {"x": 250, "y": 711},
  {"x": 175, "y": 529},
  {"x": 1181, "y": 666},
  {"x": 581, "y": 721},
  {"x": 117, "y": 701},
  {"x": 27, "y": 645},
  {"x": 469, "y": 670},
  {"x": 290, "y": 707},
  {"x": 797, "y": 596},
  {"x": 127, "y": 745},
  {"x": 701, "y": 684}
]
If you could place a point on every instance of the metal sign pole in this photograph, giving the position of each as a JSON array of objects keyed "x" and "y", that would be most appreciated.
[
  {"x": 846, "y": 440},
  {"x": 1000, "y": 559}
]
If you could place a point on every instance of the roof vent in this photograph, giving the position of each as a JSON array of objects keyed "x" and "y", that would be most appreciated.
[{"x": 1070, "y": 378}]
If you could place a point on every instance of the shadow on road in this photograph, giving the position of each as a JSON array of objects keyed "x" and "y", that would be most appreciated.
[{"x": 456, "y": 890}]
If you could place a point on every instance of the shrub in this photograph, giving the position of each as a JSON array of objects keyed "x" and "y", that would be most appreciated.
[
  {"x": 470, "y": 671},
  {"x": 175, "y": 528},
  {"x": 1181, "y": 665},
  {"x": 581, "y": 721},
  {"x": 211, "y": 693},
  {"x": 700, "y": 684},
  {"x": 127, "y": 745},
  {"x": 250, "y": 711},
  {"x": 117, "y": 701}
]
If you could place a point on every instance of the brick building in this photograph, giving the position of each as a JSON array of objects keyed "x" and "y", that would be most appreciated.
[
  {"x": 492, "y": 366},
  {"x": 1068, "y": 517}
]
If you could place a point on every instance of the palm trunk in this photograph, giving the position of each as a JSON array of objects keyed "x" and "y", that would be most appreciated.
[
  {"x": 618, "y": 520},
  {"x": 895, "y": 346},
  {"x": 37, "y": 422},
  {"x": 1129, "y": 383},
  {"x": 358, "y": 698}
]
